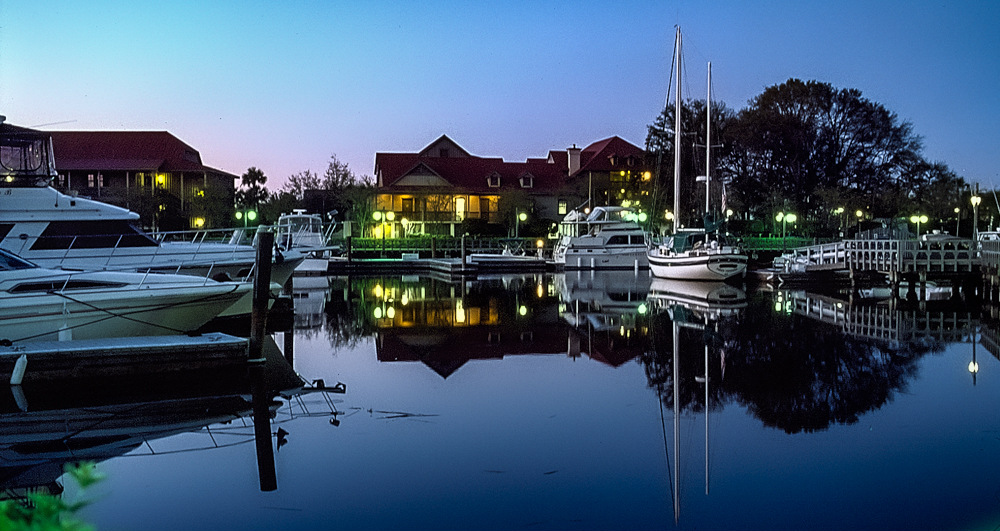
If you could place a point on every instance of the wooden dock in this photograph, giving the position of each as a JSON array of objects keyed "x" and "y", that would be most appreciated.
[
  {"x": 53, "y": 360},
  {"x": 448, "y": 267}
]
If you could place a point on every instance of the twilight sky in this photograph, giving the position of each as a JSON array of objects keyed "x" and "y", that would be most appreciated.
[{"x": 283, "y": 85}]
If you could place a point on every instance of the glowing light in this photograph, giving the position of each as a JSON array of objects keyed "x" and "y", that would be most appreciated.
[
  {"x": 239, "y": 215},
  {"x": 390, "y": 313},
  {"x": 643, "y": 217},
  {"x": 459, "y": 312},
  {"x": 389, "y": 216},
  {"x": 642, "y": 307},
  {"x": 859, "y": 214},
  {"x": 626, "y": 203},
  {"x": 10, "y": 178},
  {"x": 973, "y": 367},
  {"x": 647, "y": 176},
  {"x": 522, "y": 216},
  {"x": 252, "y": 215},
  {"x": 540, "y": 291},
  {"x": 378, "y": 313},
  {"x": 199, "y": 222},
  {"x": 378, "y": 291},
  {"x": 523, "y": 310},
  {"x": 539, "y": 244}
]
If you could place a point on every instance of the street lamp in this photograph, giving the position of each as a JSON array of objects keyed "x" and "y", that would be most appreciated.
[
  {"x": 918, "y": 220},
  {"x": 975, "y": 215},
  {"x": 785, "y": 219},
  {"x": 247, "y": 216},
  {"x": 521, "y": 216},
  {"x": 383, "y": 216},
  {"x": 958, "y": 213}
]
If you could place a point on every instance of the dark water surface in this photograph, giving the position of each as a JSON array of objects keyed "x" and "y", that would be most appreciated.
[{"x": 548, "y": 402}]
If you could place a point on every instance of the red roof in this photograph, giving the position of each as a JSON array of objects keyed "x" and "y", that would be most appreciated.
[
  {"x": 124, "y": 150},
  {"x": 598, "y": 156},
  {"x": 471, "y": 173}
]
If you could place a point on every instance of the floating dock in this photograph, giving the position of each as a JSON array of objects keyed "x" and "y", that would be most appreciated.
[{"x": 54, "y": 360}]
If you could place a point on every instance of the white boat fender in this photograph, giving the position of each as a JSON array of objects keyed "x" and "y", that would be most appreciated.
[{"x": 20, "y": 366}]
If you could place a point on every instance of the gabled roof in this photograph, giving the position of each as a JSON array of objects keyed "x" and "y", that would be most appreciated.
[
  {"x": 609, "y": 154},
  {"x": 464, "y": 171},
  {"x": 125, "y": 150},
  {"x": 470, "y": 173}
]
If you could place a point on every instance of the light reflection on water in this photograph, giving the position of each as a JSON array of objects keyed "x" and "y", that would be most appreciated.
[{"x": 548, "y": 402}]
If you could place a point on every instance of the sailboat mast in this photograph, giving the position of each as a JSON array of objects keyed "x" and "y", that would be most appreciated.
[
  {"x": 708, "y": 141},
  {"x": 677, "y": 133}
]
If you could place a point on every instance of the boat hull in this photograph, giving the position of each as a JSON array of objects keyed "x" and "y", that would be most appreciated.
[{"x": 717, "y": 266}]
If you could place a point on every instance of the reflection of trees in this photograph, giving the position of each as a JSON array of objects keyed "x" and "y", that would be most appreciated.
[{"x": 791, "y": 372}]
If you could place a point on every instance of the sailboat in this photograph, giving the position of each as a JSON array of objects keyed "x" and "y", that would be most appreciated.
[{"x": 695, "y": 254}]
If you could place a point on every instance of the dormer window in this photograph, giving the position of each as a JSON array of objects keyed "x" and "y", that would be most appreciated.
[
  {"x": 443, "y": 153},
  {"x": 493, "y": 180},
  {"x": 527, "y": 181}
]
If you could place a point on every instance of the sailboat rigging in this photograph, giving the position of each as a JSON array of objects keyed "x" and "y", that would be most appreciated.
[{"x": 693, "y": 254}]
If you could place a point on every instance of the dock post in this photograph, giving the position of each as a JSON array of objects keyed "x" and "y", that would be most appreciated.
[
  {"x": 923, "y": 286},
  {"x": 261, "y": 293},
  {"x": 463, "y": 251},
  {"x": 434, "y": 241}
]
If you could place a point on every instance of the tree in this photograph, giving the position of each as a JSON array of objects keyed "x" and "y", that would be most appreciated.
[
  {"x": 797, "y": 138},
  {"x": 338, "y": 175},
  {"x": 298, "y": 183},
  {"x": 660, "y": 150},
  {"x": 252, "y": 191}
]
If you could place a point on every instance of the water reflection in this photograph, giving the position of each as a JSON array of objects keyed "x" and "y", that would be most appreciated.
[
  {"x": 45, "y": 425},
  {"x": 447, "y": 324}
]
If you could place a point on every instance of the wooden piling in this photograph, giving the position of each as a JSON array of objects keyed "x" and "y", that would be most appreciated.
[{"x": 261, "y": 293}]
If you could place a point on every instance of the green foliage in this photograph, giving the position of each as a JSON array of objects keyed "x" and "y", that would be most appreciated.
[
  {"x": 252, "y": 192},
  {"x": 47, "y": 512}
]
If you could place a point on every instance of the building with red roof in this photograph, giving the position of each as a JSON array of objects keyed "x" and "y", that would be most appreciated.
[
  {"x": 442, "y": 186},
  {"x": 151, "y": 172}
]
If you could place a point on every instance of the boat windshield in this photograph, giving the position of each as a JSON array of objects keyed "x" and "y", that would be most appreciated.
[
  {"x": 23, "y": 155},
  {"x": 10, "y": 262}
]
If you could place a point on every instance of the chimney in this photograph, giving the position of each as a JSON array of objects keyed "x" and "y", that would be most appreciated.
[{"x": 574, "y": 159}]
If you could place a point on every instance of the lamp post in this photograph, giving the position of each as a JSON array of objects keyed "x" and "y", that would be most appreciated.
[
  {"x": 958, "y": 213},
  {"x": 521, "y": 216},
  {"x": 975, "y": 215},
  {"x": 785, "y": 219},
  {"x": 918, "y": 220},
  {"x": 383, "y": 216}
]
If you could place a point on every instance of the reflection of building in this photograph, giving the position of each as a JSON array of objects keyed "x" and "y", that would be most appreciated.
[
  {"x": 442, "y": 185},
  {"x": 126, "y": 167},
  {"x": 437, "y": 324}
]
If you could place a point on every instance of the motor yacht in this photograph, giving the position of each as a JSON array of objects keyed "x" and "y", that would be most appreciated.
[
  {"x": 57, "y": 230},
  {"x": 39, "y": 304},
  {"x": 608, "y": 237}
]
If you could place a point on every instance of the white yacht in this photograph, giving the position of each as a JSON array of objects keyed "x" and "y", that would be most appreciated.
[
  {"x": 56, "y": 230},
  {"x": 607, "y": 238},
  {"x": 39, "y": 304}
]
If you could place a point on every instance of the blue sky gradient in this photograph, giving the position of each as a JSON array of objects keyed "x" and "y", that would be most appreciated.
[{"x": 283, "y": 85}]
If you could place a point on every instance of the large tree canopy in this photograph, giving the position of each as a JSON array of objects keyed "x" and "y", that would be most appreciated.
[{"x": 808, "y": 146}]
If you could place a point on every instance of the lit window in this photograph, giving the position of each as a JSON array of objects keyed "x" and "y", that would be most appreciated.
[
  {"x": 563, "y": 208},
  {"x": 90, "y": 180}
]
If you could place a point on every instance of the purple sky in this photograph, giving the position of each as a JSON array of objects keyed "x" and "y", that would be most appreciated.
[{"x": 284, "y": 85}]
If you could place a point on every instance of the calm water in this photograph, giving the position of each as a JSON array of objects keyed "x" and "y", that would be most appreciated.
[{"x": 548, "y": 402}]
